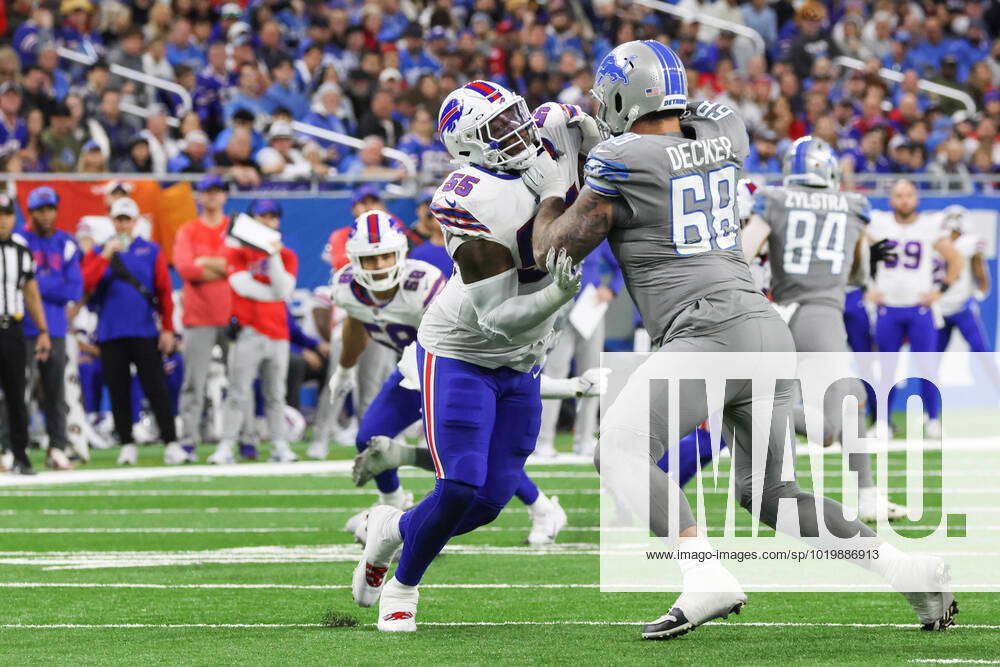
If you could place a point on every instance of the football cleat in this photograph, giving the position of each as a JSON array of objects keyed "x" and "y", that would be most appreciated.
[
  {"x": 357, "y": 525},
  {"x": 129, "y": 455},
  {"x": 318, "y": 450},
  {"x": 191, "y": 453},
  {"x": 382, "y": 529},
  {"x": 935, "y": 605},
  {"x": 248, "y": 452},
  {"x": 695, "y": 606},
  {"x": 382, "y": 454},
  {"x": 282, "y": 454},
  {"x": 22, "y": 466},
  {"x": 223, "y": 455},
  {"x": 174, "y": 455},
  {"x": 397, "y": 609},
  {"x": 546, "y": 524},
  {"x": 56, "y": 459},
  {"x": 871, "y": 506}
]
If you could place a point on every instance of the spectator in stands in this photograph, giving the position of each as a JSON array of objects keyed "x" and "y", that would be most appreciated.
[
  {"x": 13, "y": 129},
  {"x": 370, "y": 163},
  {"x": 199, "y": 256},
  {"x": 759, "y": 15},
  {"x": 248, "y": 95},
  {"x": 812, "y": 41},
  {"x": 195, "y": 157},
  {"x": 180, "y": 49},
  {"x": 92, "y": 159},
  {"x": 98, "y": 80},
  {"x": 414, "y": 60},
  {"x": 210, "y": 85},
  {"x": 36, "y": 91},
  {"x": 280, "y": 159},
  {"x": 77, "y": 31},
  {"x": 128, "y": 54},
  {"x": 424, "y": 146},
  {"x": 379, "y": 121},
  {"x": 162, "y": 146},
  {"x": 128, "y": 284},
  {"x": 763, "y": 158},
  {"x": 139, "y": 159},
  {"x": 155, "y": 63},
  {"x": 33, "y": 155},
  {"x": 31, "y": 34},
  {"x": 949, "y": 167},
  {"x": 328, "y": 113},
  {"x": 118, "y": 127},
  {"x": 286, "y": 91},
  {"x": 237, "y": 162},
  {"x": 60, "y": 142}
]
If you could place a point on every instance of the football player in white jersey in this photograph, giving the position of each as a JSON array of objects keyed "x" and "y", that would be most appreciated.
[
  {"x": 960, "y": 304},
  {"x": 479, "y": 345},
  {"x": 904, "y": 291},
  {"x": 384, "y": 294}
]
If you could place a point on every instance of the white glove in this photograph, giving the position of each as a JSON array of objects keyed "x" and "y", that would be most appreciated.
[
  {"x": 590, "y": 133},
  {"x": 593, "y": 382},
  {"x": 544, "y": 178},
  {"x": 979, "y": 295},
  {"x": 566, "y": 276},
  {"x": 342, "y": 382},
  {"x": 408, "y": 368}
]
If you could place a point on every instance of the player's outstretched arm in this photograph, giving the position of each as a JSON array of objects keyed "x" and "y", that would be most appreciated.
[
  {"x": 491, "y": 283},
  {"x": 577, "y": 229}
]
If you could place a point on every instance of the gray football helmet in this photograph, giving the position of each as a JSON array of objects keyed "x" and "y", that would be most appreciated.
[
  {"x": 811, "y": 161},
  {"x": 635, "y": 79}
]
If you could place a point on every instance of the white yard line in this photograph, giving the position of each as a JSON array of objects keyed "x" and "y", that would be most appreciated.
[
  {"x": 955, "y": 661},
  {"x": 459, "y": 624},
  {"x": 83, "y": 531},
  {"x": 235, "y": 510}
]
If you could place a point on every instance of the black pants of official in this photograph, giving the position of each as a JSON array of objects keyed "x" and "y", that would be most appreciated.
[
  {"x": 52, "y": 374},
  {"x": 13, "y": 367},
  {"x": 116, "y": 357}
]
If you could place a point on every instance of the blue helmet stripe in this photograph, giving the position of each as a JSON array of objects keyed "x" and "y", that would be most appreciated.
[
  {"x": 675, "y": 83},
  {"x": 799, "y": 163}
]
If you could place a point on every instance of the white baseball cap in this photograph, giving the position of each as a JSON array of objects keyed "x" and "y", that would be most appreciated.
[{"x": 125, "y": 207}]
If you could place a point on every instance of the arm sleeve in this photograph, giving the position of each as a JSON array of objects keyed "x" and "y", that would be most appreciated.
[
  {"x": 94, "y": 270},
  {"x": 184, "y": 258},
  {"x": 282, "y": 276},
  {"x": 602, "y": 172},
  {"x": 296, "y": 335},
  {"x": 161, "y": 283},
  {"x": 503, "y": 313}
]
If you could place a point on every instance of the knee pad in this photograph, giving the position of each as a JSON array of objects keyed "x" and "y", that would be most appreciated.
[
  {"x": 482, "y": 512},
  {"x": 458, "y": 496}
]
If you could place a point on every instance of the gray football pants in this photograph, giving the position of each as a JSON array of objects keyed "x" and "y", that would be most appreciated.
[
  {"x": 619, "y": 432},
  {"x": 818, "y": 328},
  {"x": 250, "y": 354},
  {"x": 587, "y": 352},
  {"x": 198, "y": 345}
]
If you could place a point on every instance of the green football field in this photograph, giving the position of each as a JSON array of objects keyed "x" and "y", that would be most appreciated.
[{"x": 256, "y": 569}]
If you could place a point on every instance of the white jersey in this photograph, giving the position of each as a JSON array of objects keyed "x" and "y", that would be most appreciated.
[
  {"x": 954, "y": 300},
  {"x": 904, "y": 279},
  {"x": 394, "y": 323},
  {"x": 476, "y": 203}
]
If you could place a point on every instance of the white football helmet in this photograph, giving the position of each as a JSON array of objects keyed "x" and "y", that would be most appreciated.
[
  {"x": 485, "y": 124},
  {"x": 376, "y": 233}
]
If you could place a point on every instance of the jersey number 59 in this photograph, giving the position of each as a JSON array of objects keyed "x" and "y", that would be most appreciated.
[{"x": 695, "y": 231}]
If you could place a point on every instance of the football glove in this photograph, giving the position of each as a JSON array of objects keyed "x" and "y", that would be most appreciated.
[
  {"x": 342, "y": 382},
  {"x": 589, "y": 132},
  {"x": 544, "y": 177},
  {"x": 879, "y": 252},
  {"x": 593, "y": 382}
]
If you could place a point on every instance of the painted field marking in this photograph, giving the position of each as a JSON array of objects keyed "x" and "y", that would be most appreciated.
[
  {"x": 460, "y": 624},
  {"x": 337, "y": 587}
]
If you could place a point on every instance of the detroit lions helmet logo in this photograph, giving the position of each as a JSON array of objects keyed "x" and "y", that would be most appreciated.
[
  {"x": 449, "y": 116},
  {"x": 611, "y": 70}
]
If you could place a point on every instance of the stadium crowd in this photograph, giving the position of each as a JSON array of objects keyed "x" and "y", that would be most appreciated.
[{"x": 378, "y": 70}]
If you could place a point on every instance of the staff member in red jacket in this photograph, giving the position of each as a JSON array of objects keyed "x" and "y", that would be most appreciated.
[
  {"x": 262, "y": 282},
  {"x": 129, "y": 287},
  {"x": 200, "y": 259}
]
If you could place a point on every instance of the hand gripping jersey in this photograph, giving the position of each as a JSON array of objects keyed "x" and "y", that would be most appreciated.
[
  {"x": 813, "y": 234},
  {"x": 968, "y": 245},
  {"x": 911, "y": 273},
  {"x": 475, "y": 202},
  {"x": 394, "y": 323},
  {"x": 680, "y": 250}
]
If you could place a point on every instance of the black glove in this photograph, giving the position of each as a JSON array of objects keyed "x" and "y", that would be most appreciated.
[{"x": 879, "y": 252}]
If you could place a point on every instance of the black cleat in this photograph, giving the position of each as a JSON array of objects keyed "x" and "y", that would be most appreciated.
[
  {"x": 674, "y": 624},
  {"x": 945, "y": 621},
  {"x": 22, "y": 467}
]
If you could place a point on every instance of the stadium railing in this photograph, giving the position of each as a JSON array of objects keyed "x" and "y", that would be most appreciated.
[
  {"x": 704, "y": 19},
  {"x": 137, "y": 76},
  {"x": 929, "y": 86}
]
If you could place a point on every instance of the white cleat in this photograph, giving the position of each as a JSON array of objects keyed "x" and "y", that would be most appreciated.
[
  {"x": 222, "y": 455},
  {"x": 397, "y": 610},
  {"x": 933, "y": 429},
  {"x": 546, "y": 524},
  {"x": 56, "y": 459},
  {"x": 382, "y": 529},
  {"x": 6, "y": 460},
  {"x": 129, "y": 455},
  {"x": 585, "y": 447},
  {"x": 545, "y": 451},
  {"x": 318, "y": 450},
  {"x": 871, "y": 506},
  {"x": 696, "y": 605},
  {"x": 282, "y": 454},
  {"x": 924, "y": 582},
  {"x": 357, "y": 526},
  {"x": 382, "y": 454},
  {"x": 175, "y": 455}
]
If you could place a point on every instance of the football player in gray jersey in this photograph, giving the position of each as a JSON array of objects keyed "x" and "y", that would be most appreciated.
[
  {"x": 815, "y": 235},
  {"x": 662, "y": 191}
]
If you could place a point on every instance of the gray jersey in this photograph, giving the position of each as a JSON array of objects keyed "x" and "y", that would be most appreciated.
[
  {"x": 679, "y": 250},
  {"x": 812, "y": 239}
]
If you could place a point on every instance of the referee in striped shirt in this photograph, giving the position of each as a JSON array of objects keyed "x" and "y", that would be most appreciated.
[{"x": 18, "y": 290}]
